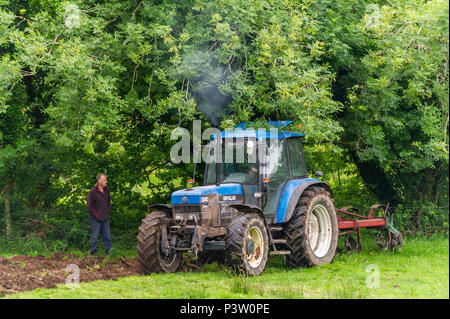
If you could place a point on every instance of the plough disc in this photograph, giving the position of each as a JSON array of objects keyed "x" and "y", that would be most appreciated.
[
  {"x": 383, "y": 239},
  {"x": 397, "y": 241},
  {"x": 387, "y": 240},
  {"x": 351, "y": 244}
]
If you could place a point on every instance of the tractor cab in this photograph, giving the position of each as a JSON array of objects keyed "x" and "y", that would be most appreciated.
[{"x": 259, "y": 162}]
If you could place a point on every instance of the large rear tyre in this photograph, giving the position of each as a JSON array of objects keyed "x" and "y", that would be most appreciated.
[
  {"x": 247, "y": 245},
  {"x": 312, "y": 233},
  {"x": 151, "y": 258}
]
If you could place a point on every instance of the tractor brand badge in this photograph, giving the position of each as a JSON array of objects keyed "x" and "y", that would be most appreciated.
[
  {"x": 233, "y": 197},
  {"x": 184, "y": 199},
  {"x": 204, "y": 199}
]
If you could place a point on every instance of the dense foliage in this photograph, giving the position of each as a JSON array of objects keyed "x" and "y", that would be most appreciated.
[{"x": 89, "y": 86}]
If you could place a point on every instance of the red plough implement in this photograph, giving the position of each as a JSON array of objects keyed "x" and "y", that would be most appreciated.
[{"x": 387, "y": 237}]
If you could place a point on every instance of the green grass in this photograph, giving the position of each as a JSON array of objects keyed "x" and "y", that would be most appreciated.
[{"x": 420, "y": 270}]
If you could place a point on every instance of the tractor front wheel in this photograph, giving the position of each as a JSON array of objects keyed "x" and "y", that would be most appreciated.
[
  {"x": 150, "y": 256},
  {"x": 312, "y": 232},
  {"x": 247, "y": 244}
]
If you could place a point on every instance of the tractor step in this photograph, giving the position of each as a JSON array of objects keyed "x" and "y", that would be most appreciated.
[
  {"x": 279, "y": 241},
  {"x": 280, "y": 252},
  {"x": 276, "y": 228}
]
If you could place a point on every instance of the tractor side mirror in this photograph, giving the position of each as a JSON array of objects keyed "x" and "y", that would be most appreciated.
[{"x": 318, "y": 173}]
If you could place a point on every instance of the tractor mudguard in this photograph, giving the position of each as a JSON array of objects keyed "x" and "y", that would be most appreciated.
[
  {"x": 250, "y": 209},
  {"x": 245, "y": 207},
  {"x": 161, "y": 207},
  {"x": 290, "y": 196}
]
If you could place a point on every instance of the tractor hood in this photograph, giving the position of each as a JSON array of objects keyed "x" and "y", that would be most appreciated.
[{"x": 198, "y": 195}]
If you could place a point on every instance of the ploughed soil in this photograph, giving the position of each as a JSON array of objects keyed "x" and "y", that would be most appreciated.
[{"x": 20, "y": 273}]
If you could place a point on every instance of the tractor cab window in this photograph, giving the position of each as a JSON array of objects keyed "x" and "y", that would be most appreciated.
[
  {"x": 238, "y": 162},
  {"x": 275, "y": 168},
  {"x": 297, "y": 158}
]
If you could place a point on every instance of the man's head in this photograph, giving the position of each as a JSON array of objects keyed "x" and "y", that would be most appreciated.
[{"x": 101, "y": 180}]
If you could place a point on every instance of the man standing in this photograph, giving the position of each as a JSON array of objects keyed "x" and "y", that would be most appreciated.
[{"x": 99, "y": 208}]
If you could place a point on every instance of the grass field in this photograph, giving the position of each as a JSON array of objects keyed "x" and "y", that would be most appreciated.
[{"x": 420, "y": 270}]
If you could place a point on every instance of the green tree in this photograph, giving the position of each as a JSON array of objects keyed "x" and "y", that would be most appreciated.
[{"x": 89, "y": 86}]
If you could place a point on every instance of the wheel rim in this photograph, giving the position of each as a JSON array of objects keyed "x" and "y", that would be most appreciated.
[
  {"x": 319, "y": 231},
  {"x": 165, "y": 261},
  {"x": 254, "y": 247}
]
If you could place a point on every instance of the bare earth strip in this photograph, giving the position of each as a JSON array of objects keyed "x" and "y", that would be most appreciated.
[{"x": 21, "y": 273}]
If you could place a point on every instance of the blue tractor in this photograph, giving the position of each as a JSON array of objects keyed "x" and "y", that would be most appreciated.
[{"x": 246, "y": 210}]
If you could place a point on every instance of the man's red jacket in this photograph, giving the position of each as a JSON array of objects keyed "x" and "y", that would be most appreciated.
[{"x": 99, "y": 204}]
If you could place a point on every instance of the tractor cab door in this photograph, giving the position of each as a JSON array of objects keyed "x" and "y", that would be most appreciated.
[
  {"x": 275, "y": 168},
  {"x": 240, "y": 166}
]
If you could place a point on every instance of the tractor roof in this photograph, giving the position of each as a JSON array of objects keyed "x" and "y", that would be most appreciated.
[{"x": 241, "y": 131}]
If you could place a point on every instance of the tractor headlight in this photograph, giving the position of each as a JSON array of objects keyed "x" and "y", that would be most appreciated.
[{"x": 185, "y": 216}]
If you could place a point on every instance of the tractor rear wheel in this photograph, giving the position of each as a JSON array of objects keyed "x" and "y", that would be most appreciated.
[
  {"x": 150, "y": 256},
  {"x": 247, "y": 244},
  {"x": 312, "y": 233}
]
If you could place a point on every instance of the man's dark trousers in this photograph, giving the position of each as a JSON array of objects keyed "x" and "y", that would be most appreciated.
[{"x": 102, "y": 228}]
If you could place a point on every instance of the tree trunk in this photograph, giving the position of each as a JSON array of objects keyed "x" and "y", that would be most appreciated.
[
  {"x": 7, "y": 212},
  {"x": 339, "y": 173}
]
